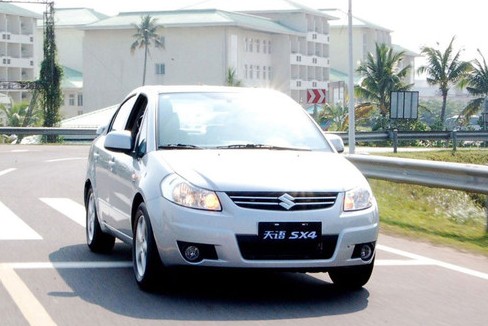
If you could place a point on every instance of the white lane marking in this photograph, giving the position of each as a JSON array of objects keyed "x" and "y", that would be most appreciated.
[
  {"x": 68, "y": 265},
  {"x": 429, "y": 261},
  {"x": 66, "y": 159},
  {"x": 13, "y": 228},
  {"x": 400, "y": 262},
  {"x": 27, "y": 303},
  {"x": 68, "y": 207},
  {"x": 7, "y": 171}
]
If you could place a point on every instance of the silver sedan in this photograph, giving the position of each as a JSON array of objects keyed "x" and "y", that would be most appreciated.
[{"x": 227, "y": 177}]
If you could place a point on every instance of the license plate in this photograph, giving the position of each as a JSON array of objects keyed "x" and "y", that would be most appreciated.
[{"x": 290, "y": 231}]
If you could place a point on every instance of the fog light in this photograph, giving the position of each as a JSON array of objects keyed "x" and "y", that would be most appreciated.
[
  {"x": 366, "y": 252},
  {"x": 192, "y": 253}
]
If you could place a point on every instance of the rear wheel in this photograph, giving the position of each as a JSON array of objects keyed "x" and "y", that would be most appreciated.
[
  {"x": 97, "y": 240},
  {"x": 145, "y": 257},
  {"x": 352, "y": 277}
]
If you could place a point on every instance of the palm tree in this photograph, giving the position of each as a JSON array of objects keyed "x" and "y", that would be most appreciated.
[
  {"x": 381, "y": 75},
  {"x": 17, "y": 114},
  {"x": 145, "y": 35},
  {"x": 477, "y": 85},
  {"x": 444, "y": 69},
  {"x": 231, "y": 78}
]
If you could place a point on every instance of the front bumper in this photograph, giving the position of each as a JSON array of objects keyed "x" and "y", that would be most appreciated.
[{"x": 230, "y": 238}]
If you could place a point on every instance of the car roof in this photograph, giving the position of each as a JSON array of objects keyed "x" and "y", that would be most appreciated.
[{"x": 157, "y": 89}]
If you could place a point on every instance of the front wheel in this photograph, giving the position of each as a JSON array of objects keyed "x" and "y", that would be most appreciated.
[
  {"x": 97, "y": 240},
  {"x": 352, "y": 277},
  {"x": 145, "y": 257}
]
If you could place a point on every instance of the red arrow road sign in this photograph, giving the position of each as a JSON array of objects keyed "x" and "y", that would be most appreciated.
[{"x": 316, "y": 96}]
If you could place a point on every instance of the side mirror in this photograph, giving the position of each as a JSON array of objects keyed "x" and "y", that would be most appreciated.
[
  {"x": 101, "y": 130},
  {"x": 336, "y": 142},
  {"x": 120, "y": 141}
]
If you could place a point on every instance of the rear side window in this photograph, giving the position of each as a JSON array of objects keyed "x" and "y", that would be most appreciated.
[{"x": 120, "y": 120}]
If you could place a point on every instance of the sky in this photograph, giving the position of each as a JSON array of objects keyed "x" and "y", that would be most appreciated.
[{"x": 414, "y": 23}]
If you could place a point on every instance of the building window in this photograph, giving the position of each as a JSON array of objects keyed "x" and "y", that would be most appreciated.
[
  {"x": 314, "y": 60},
  {"x": 258, "y": 72},
  {"x": 258, "y": 46},
  {"x": 299, "y": 83},
  {"x": 246, "y": 72},
  {"x": 246, "y": 45},
  {"x": 250, "y": 45},
  {"x": 80, "y": 99},
  {"x": 71, "y": 100},
  {"x": 269, "y": 72},
  {"x": 264, "y": 72},
  {"x": 269, "y": 47},
  {"x": 251, "y": 72},
  {"x": 160, "y": 69}
]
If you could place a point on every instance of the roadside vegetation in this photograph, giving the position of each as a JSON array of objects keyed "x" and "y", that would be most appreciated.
[{"x": 441, "y": 216}]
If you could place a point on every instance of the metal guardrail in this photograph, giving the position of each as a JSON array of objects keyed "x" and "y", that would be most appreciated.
[
  {"x": 395, "y": 136},
  {"x": 466, "y": 177}
]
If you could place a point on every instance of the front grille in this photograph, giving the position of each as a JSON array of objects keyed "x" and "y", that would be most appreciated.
[
  {"x": 284, "y": 201},
  {"x": 252, "y": 248}
]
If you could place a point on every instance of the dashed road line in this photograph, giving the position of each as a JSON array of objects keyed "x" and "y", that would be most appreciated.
[
  {"x": 3, "y": 172},
  {"x": 68, "y": 208},
  {"x": 14, "y": 228},
  {"x": 27, "y": 303}
]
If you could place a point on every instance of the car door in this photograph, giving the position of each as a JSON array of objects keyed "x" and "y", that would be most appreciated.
[
  {"x": 104, "y": 161},
  {"x": 124, "y": 174}
]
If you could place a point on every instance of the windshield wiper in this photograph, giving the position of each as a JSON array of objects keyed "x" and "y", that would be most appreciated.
[
  {"x": 261, "y": 146},
  {"x": 179, "y": 146}
]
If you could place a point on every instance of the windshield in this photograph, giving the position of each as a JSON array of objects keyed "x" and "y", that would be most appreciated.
[{"x": 265, "y": 120}]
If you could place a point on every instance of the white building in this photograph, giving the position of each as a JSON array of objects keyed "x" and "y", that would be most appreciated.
[
  {"x": 17, "y": 55},
  {"x": 286, "y": 48},
  {"x": 365, "y": 37},
  {"x": 69, "y": 36}
]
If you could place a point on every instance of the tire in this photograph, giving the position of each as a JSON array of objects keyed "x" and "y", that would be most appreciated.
[
  {"x": 97, "y": 240},
  {"x": 352, "y": 277},
  {"x": 146, "y": 262}
]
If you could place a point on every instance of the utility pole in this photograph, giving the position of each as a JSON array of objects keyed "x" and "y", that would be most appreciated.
[{"x": 352, "y": 121}]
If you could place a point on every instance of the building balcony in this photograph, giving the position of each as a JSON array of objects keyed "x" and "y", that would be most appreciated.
[{"x": 318, "y": 37}]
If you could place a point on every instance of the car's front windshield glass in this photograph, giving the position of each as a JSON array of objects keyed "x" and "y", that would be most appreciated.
[{"x": 244, "y": 120}]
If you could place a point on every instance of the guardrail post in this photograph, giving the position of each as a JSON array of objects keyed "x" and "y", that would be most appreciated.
[
  {"x": 454, "y": 140},
  {"x": 486, "y": 212},
  {"x": 395, "y": 140}
]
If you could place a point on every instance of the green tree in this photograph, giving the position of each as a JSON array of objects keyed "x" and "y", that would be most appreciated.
[
  {"x": 231, "y": 78},
  {"x": 444, "y": 69},
  {"x": 144, "y": 37},
  {"x": 477, "y": 85},
  {"x": 381, "y": 74},
  {"x": 18, "y": 113},
  {"x": 50, "y": 77},
  {"x": 336, "y": 116}
]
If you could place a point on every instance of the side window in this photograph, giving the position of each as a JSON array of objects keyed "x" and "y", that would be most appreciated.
[
  {"x": 141, "y": 141},
  {"x": 120, "y": 120}
]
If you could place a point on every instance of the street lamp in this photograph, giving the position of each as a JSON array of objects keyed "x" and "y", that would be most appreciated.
[{"x": 352, "y": 123}]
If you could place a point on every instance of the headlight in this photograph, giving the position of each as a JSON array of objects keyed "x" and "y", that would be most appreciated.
[
  {"x": 181, "y": 192},
  {"x": 357, "y": 199}
]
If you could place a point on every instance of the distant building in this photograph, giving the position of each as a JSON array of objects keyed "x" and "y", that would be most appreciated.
[
  {"x": 17, "y": 54},
  {"x": 286, "y": 49},
  {"x": 69, "y": 35}
]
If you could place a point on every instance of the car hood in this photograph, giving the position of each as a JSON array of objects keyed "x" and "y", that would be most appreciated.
[{"x": 263, "y": 170}]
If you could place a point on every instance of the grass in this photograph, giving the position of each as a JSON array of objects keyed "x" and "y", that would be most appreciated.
[{"x": 442, "y": 216}]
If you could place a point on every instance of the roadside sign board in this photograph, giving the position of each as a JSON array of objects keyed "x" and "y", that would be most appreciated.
[
  {"x": 316, "y": 96},
  {"x": 404, "y": 105}
]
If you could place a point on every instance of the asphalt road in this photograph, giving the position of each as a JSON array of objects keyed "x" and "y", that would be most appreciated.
[{"x": 48, "y": 276}]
